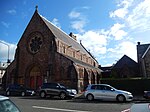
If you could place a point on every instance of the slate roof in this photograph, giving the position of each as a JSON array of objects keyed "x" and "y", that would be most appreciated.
[
  {"x": 59, "y": 34},
  {"x": 125, "y": 60},
  {"x": 106, "y": 69},
  {"x": 146, "y": 51},
  {"x": 83, "y": 63},
  {"x": 142, "y": 49}
]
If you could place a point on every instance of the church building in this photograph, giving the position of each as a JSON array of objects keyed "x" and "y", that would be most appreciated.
[{"x": 47, "y": 54}]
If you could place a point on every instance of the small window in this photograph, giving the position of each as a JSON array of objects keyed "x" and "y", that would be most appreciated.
[
  {"x": 106, "y": 88},
  {"x": 64, "y": 50},
  {"x": 73, "y": 54},
  {"x": 94, "y": 87}
]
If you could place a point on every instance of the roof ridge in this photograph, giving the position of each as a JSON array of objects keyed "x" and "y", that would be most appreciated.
[{"x": 57, "y": 27}]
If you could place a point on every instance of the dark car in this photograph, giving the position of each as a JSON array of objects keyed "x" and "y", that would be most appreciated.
[
  {"x": 16, "y": 89},
  {"x": 146, "y": 94},
  {"x": 55, "y": 89}
]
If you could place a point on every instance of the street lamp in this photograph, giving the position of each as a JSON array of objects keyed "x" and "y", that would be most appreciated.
[{"x": 8, "y": 61}]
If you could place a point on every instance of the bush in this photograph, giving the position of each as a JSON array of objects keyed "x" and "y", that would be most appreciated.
[{"x": 134, "y": 85}]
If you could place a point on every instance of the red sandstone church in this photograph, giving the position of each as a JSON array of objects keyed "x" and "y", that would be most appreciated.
[{"x": 46, "y": 54}]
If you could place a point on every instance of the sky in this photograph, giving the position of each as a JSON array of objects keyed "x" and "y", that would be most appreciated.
[{"x": 108, "y": 29}]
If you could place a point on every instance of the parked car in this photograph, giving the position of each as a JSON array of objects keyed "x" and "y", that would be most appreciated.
[
  {"x": 16, "y": 89},
  {"x": 6, "y": 105},
  {"x": 56, "y": 89},
  {"x": 140, "y": 107},
  {"x": 106, "y": 92},
  {"x": 146, "y": 94}
]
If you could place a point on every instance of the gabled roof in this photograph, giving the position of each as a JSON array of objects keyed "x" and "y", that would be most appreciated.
[
  {"x": 142, "y": 49},
  {"x": 106, "y": 69},
  {"x": 59, "y": 34},
  {"x": 125, "y": 60},
  {"x": 146, "y": 51}
]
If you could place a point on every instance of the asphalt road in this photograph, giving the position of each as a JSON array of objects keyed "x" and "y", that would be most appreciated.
[{"x": 36, "y": 104}]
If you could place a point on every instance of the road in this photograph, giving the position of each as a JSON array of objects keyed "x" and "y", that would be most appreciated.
[{"x": 35, "y": 104}]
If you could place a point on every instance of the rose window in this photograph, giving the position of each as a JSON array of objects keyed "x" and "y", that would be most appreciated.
[{"x": 35, "y": 43}]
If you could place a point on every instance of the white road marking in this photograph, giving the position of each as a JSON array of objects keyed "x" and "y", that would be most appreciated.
[{"x": 65, "y": 110}]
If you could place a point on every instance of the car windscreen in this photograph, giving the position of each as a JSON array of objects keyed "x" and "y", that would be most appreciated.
[
  {"x": 62, "y": 86},
  {"x": 8, "y": 106}
]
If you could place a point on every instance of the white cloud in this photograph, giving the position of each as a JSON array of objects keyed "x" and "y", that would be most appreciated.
[
  {"x": 4, "y": 50},
  {"x": 123, "y": 9},
  {"x": 126, "y": 47},
  {"x": 94, "y": 41},
  {"x": 116, "y": 31},
  {"x": 78, "y": 21},
  {"x": 56, "y": 22},
  {"x": 12, "y": 11},
  {"x": 78, "y": 25},
  {"x": 130, "y": 17},
  {"x": 120, "y": 13},
  {"x": 74, "y": 14},
  {"x": 139, "y": 18},
  {"x": 125, "y": 3},
  {"x": 5, "y": 24},
  {"x": 131, "y": 20}
]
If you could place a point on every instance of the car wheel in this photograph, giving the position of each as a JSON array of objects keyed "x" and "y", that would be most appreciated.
[
  {"x": 121, "y": 98},
  {"x": 90, "y": 97},
  {"x": 42, "y": 94},
  {"x": 8, "y": 93},
  {"x": 62, "y": 95},
  {"x": 22, "y": 93}
]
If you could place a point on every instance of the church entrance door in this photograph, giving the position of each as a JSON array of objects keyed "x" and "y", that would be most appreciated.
[{"x": 35, "y": 77}]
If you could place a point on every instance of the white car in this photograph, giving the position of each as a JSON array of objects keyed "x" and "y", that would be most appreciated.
[
  {"x": 6, "y": 105},
  {"x": 140, "y": 107},
  {"x": 106, "y": 92}
]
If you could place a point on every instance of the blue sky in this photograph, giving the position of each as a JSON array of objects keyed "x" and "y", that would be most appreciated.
[{"x": 109, "y": 29}]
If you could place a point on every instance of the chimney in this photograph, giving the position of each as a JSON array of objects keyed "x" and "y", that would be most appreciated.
[
  {"x": 73, "y": 36},
  {"x": 138, "y": 43}
]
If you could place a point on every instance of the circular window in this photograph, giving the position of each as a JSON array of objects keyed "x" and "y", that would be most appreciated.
[{"x": 35, "y": 42}]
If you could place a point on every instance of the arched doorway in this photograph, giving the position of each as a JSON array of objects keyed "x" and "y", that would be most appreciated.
[
  {"x": 86, "y": 79},
  {"x": 92, "y": 78},
  {"x": 35, "y": 77}
]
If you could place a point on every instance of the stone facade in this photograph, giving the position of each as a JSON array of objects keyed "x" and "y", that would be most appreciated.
[
  {"x": 143, "y": 54},
  {"x": 46, "y": 54}
]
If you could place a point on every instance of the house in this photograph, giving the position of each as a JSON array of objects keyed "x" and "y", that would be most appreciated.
[
  {"x": 106, "y": 71},
  {"x": 47, "y": 54},
  {"x": 125, "y": 68},
  {"x": 143, "y": 55}
]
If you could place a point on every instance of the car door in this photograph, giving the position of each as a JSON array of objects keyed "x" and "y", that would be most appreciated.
[
  {"x": 97, "y": 92},
  {"x": 14, "y": 90},
  {"x": 54, "y": 89},
  {"x": 108, "y": 92}
]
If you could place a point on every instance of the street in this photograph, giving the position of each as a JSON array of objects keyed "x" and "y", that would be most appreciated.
[{"x": 36, "y": 104}]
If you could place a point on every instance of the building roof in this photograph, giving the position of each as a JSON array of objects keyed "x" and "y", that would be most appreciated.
[
  {"x": 142, "y": 49},
  {"x": 146, "y": 51},
  {"x": 82, "y": 63},
  {"x": 106, "y": 69},
  {"x": 70, "y": 41},
  {"x": 59, "y": 34},
  {"x": 125, "y": 60}
]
